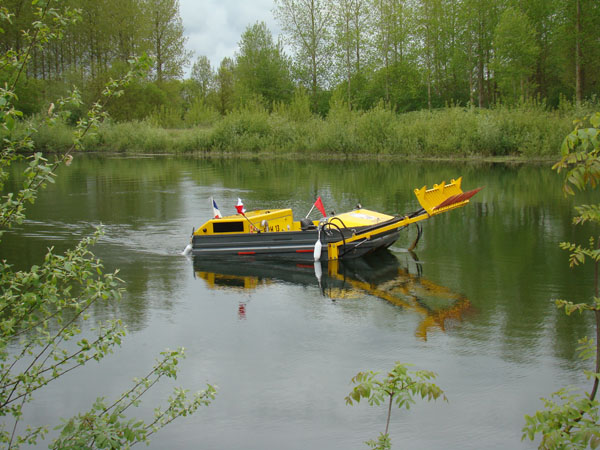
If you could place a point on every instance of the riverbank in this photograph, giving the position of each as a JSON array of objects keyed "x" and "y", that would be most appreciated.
[{"x": 526, "y": 132}]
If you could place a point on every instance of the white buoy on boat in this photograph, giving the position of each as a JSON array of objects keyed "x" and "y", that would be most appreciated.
[
  {"x": 187, "y": 250},
  {"x": 318, "y": 246}
]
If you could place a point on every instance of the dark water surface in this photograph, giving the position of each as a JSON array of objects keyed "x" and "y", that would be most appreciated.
[{"x": 474, "y": 304}]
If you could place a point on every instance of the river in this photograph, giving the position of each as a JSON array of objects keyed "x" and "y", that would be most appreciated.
[{"x": 474, "y": 303}]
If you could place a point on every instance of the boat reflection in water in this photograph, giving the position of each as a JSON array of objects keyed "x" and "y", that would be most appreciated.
[{"x": 382, "y": 275}]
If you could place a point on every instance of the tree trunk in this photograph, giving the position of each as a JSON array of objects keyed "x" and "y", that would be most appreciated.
[
  {"x": 578, "y": 77},
  {"x": 313, "y": 54},
  {"x": 480, "y": 87},
  {"x": 159, "y": 59},
  {"x": 348, "y": 61}
]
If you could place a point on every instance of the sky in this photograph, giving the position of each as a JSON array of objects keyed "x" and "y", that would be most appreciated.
[{"x": 213, "y": 27}]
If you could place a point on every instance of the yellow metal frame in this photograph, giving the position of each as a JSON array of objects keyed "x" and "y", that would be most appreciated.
[{"x": 429, "y": 200}]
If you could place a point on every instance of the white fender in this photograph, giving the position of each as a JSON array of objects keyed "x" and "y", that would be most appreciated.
[
  {"x": 187, "y": 250},
  {"x": 318, "y": 246}
]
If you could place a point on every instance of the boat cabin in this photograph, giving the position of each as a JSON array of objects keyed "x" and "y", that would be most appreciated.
[
  {"x": 261, "y": 220},
  {"x": 277, "y": 220}
]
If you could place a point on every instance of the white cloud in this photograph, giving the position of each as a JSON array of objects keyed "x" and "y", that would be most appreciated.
[{"x": 214, "y": 27}]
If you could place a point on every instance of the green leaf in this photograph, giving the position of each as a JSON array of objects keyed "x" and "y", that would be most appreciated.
[{"x": 9, "y": 123}]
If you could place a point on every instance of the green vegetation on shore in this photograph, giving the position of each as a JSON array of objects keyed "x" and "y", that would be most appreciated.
[
  {"x": 422, "y": 78},
  {"x": 526, "y": 131}
]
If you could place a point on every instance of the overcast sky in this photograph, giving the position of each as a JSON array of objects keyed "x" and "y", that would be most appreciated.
[{"x": 214, "y": 27}]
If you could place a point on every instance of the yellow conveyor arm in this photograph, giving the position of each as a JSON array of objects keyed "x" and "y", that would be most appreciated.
[{"x": 439, "y": 199}]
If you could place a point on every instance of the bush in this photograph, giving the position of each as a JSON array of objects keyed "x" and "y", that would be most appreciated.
[{"x": 527, "y": 130}]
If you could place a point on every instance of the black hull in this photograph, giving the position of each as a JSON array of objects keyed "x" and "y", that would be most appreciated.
[{"x": 291, "y": 245}]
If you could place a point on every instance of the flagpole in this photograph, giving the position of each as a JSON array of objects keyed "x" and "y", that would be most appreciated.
[
  {"x": 255, "y": 227},
  {"x": 313, "y": 207}
]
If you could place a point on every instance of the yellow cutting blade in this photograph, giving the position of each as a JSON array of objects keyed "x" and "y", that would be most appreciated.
[{"x": 443, "y": 197}]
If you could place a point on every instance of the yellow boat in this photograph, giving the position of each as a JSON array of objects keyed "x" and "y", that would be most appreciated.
[{"x": 275, "y": 233}]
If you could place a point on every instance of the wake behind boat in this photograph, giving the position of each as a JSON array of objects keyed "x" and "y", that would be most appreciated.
[{"x": 275, "y": 233}]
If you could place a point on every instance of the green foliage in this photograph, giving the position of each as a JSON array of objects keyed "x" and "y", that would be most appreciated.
[
  {"x": 202, "y": 75},
  {"x": 515, "y": 53},
  {"x": 400, "y": 386},
  {"x": 224, "y": 83},
  {"x": 523, "y": 130},
  {"x": 200, "y": 114},
  {"x": 307, "y": 26},
  {"x": 571, "y": 419},
  {"x": 138, "y": 102},
  {"x": 246, "y": 130},
  {"x": 580, "y": 155},
  {"x": 166, "y": 37},
  {"x": 383, "y": 442},
  {"x": 42, "y": 309},
  {"x": 261, "y": 67},
  {"x": 408, "y": 55},
  {"x": 568, "y": 420},
  {"x": 298, "y": 110},
  {"x": 106, "y": 426}
]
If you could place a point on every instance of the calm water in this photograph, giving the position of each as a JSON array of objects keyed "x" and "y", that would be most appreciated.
[{"x": 474, "y": 304}]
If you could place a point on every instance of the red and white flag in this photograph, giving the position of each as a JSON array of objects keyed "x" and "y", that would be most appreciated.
[
  {"x": 240, "y": 206},
  {"x": 320, "y": 207}
]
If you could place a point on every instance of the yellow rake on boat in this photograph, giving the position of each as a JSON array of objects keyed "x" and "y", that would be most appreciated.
[
  {"x": 444, "y": 197},
  {"x": 440, "y": 198}
]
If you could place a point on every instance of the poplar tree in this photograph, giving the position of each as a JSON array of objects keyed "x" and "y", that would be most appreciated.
[
  {"x": 307, "y": 26},
  {"x": 351, "y": 19},
  {"x": 479, "y": 19},
  {"x": 261, "y": 67},
  {"x": 165, "y": 35},
  {"x": 394, "y": 33},
  {"x": 224, "y": 83},
  {"x": 515, "y": 53},
  {"x": 203, "y": 75},
  {"x": 578, "y": 41}
]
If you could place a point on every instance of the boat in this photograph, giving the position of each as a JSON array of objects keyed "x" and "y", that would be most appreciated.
[
  {"x": 274, "y": 233},
  {"x": 383, "y": 276}
]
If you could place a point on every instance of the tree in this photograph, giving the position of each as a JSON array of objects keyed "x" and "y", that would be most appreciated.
[
  {"x": 42, "y": 308},
  {"x": 397, "y": 78},
  {"x": 261, "y": 67},
  {"x": 479, "y": 18},
  {"x": 400, "y": 386},
  {"x": 224, "y": 82},
  {"x": 307, "y": 26},
  {"x": 166, "y": 38},
  {"x": 542, "y": 14},
  {"x": 577, "y": 40},
  {"x": 572, "y": 420},
  {"x": 351, "y": 19},
  {"x": 515, "y": 53},
  {"x": 389, "y": 40},
  {"x": 203, "y": 75}
]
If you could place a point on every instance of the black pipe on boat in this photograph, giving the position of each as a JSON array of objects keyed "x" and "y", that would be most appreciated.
[
  {"x": 329, "y": 224},
  {"x": 416, "y": 241}
]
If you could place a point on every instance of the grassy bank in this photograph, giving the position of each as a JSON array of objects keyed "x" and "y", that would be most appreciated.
[{"x": 527, "y": 131}]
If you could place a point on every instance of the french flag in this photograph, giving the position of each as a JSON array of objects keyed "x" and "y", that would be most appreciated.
[{"x": 216, "y": 212}]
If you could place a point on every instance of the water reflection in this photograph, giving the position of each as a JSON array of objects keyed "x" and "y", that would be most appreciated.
[{"x": 381, "y": 275}]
